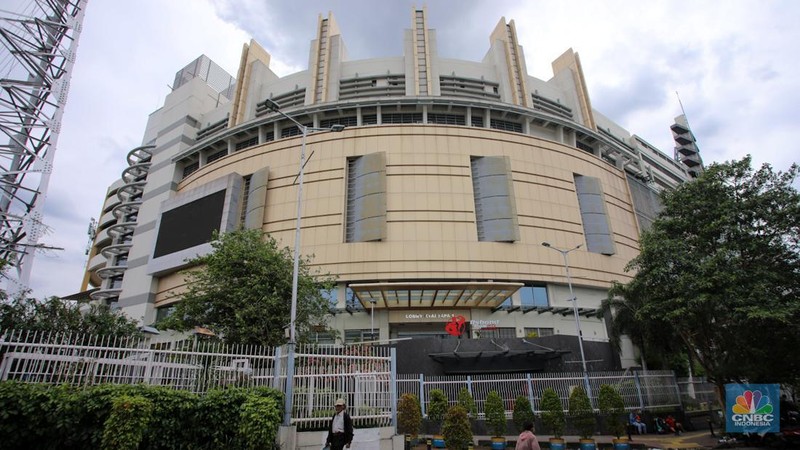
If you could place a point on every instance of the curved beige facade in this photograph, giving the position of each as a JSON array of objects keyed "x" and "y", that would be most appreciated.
[
  {"x": 432, "y": 203},
  {"x": 431, "y": 231}
]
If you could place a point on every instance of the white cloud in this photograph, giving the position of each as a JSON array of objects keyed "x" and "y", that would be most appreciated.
[{"x": 734, "y": 64}]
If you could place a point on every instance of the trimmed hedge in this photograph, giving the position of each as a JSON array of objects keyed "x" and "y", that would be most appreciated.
[{"x": 136, "y": 416}]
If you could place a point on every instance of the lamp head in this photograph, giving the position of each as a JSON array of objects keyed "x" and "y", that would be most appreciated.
[
  {"x": 546, "y": 244},
  {"x": 271, "y": 105},
  {"x": 337, "y": 128}
]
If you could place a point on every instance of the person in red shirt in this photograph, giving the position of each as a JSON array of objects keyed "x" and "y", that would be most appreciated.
[{"x": 673, "y": 425}]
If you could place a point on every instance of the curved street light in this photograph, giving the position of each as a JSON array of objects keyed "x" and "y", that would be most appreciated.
[
  {"x": 337, "y": 128},
  {"x": 574, "y": 301}
]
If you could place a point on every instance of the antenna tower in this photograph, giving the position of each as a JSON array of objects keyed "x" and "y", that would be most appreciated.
[{"x": 39, "y": 42}]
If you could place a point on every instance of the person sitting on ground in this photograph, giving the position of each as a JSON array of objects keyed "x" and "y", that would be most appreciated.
[
  {"x": 660, "y": 425},
  {"x": 673, "y": 425},
  {"x": 635, "y": 420},
  {"x": 527, "y": 440}
]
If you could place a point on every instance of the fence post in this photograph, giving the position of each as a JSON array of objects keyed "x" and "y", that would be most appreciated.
[
  {"x": 530, "y": 389},
  {"x": 289, "y": 392},
  {"x": 393, "y": 385},
  {"x": 422, "y": 394},
  {"x": 677, "y": 389},
  {"x": 638, "y": 385},
  {"x": 276, "y": 370}
]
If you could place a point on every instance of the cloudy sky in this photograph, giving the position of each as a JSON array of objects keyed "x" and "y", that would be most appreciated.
[{"x": 735, "y": 64}]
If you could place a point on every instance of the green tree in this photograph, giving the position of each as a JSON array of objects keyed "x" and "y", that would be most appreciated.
[
  {"x": 719, "y": 267},
  {"x": 467, "y": 402},
  {"x": 495, "y": 414},
  {"x": 580, "y": 413},
  {"x": 456, "y": 430},
  {"x": 552, "y": 413},
  {"x": 64, "y": 316},
  {"x": 437, "y": 406},
  {"x": 522, "y": 412},
  {"x": 242, "y": 291},
  {"x": 409, "y": 415},
  {"x": 612, "y": 408}
]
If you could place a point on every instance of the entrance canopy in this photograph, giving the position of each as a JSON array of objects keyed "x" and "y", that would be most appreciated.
[{"x": 488, "y": 294}]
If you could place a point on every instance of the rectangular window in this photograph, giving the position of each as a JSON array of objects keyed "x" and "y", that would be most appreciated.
[
  {"x": 215, "y": 156},
  {"x": 505, "y": 125},
  {"x": 593, "y": 215},
  {"x": 502, "y": 333},
  {"x": 366, "y": 198},
  {"x": 538, "y": 332},
  {"x": 477, "y": 121},
  {"x": 351, "y": 336},
  {"x": 493, "y": 190},
  {"x": 531, "y": 296}
]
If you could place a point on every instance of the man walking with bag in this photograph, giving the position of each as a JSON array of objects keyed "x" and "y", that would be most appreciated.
[{"x": 340, "y": 432}]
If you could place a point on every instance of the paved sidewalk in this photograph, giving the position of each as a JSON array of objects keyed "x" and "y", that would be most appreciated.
[{"x": 687, "y": 440}]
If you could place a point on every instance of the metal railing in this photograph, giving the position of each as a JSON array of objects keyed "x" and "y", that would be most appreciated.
[
  {"x": 193, "y": 365},
  {"x": 640, "y": 390},
  {"x": 363, "y": 375}
]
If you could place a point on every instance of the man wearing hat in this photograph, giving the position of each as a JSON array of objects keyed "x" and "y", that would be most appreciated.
[{"x": 340, "y": 432}]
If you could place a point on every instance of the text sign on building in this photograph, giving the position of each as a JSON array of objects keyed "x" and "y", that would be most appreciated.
[{"x": 752, "y": 408}]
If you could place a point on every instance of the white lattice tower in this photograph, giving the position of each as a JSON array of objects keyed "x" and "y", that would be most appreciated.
[{"x": 39, "y": 41}]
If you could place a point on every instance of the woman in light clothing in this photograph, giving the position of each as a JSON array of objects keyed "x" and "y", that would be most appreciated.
[{"x": 527, "y": 440}]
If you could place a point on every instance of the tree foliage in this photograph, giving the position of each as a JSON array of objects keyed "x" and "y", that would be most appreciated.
[
  {"x": 719, "y": 274},
  {"x": 456, "y": 430},
  {"x": 409, "y": 415},
  {"x": 242, "y": 291},
  {"x": 466, "y": 400},
  {"x": 552, "y": 413},
  {"x": 523, "y": 412},
  {"x": 437, "y": 406},
  {"x": 63, "y": 316},
  {"x": 581, "y": 414},
  {"x": 612, "y": 409},
  {"x": 495, "y": 414}
]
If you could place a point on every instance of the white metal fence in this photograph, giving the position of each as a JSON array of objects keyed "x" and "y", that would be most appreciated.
[
  {"x": 640, "y": 390},
  {"x": 699, "y": 390},
  {"x": 360, "y": 374},
  {"x": 192, "y": 365},
  {"x": 364, "y": 375}
]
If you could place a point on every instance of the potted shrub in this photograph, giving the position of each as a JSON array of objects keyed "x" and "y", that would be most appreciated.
[
  {"x": 522, "y": 413},
  {"x": 457, "y": 430},
  {"x": 582, "y": 417},
  {"x": 612, "y": 409},
  {"x": 409, "y": 416},
  {"x": 553, "y": 418},
  {"x": 437, "y": 408},
  {"x": 496, "y": 419},
  {"x": 467, "y": 402}
]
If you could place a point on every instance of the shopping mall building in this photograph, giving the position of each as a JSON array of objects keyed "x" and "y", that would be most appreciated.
[{"x": 430, "y": 207}]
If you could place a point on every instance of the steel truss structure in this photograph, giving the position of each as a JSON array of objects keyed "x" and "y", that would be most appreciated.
[{"x": 38, "y": 52}]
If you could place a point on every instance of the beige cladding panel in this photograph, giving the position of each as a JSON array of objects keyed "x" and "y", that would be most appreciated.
[{"x": 430, "y": 221}]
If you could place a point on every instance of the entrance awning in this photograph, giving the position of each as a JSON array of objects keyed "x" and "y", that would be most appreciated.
[{"x": 488, "y": 294}]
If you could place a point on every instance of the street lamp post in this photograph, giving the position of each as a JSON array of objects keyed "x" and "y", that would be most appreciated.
[
  {"x": 271, "y": 105},
  {"x": 574, "y": 301}
]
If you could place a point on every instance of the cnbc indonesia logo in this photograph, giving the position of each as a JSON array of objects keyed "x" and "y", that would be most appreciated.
[{"x": 752, "y": 409}]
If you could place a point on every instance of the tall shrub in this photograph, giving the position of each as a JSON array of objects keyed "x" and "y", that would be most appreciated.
[
  {"x": 522, "y": 412},
  {"x": 612, "y": 408},
  {"x": 259, "y": 420},
  {"x": 552, "y": 413},
  {"x": 126, "y": 425},
  {"x": 467, "y": 402},
  {"x": 495, "y": 414},
  {"x": 409, "y": 414},
  {"x": 456, "y": 430},
  {"x": 581, "y": 414},
  {"x": 437, "y": 407}
]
